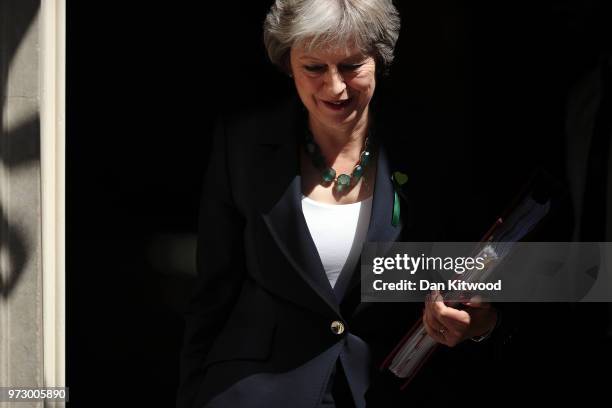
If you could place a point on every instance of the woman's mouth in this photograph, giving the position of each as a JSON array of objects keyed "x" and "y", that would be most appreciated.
[{"x": 337, "y": 105}]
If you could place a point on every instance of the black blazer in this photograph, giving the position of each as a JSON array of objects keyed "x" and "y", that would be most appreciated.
[{"x": 258, "y": 331}]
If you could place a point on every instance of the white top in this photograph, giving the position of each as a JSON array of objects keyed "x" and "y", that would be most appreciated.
[{"x": 338, "y": 232}]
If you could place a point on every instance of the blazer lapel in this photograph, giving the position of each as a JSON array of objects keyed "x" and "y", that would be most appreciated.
[{"x": 280, "y": 205}]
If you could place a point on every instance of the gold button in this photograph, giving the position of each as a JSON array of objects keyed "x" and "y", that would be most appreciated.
[{"x": 337, "y": 327}]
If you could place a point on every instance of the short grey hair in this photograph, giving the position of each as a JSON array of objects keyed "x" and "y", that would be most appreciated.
[{"x": 371, "y": 25}]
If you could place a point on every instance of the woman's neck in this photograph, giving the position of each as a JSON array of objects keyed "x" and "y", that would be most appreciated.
[{"x": 344, "y": 143}]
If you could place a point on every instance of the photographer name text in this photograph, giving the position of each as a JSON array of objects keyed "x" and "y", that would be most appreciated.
[{"x": 424, "y": 284}]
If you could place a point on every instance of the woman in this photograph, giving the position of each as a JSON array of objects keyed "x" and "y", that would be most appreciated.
[{"x": 289, "y": 199}]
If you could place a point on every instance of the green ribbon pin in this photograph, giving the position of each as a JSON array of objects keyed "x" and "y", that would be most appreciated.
[{"x": 399, "y": 179}]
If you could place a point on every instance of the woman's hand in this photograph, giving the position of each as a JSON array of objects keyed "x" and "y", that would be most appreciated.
[{"x": 451, "y": 326}]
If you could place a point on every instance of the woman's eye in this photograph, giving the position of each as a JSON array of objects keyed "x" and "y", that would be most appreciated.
[
  {"x": 350, "y": 67},
  {"x": 314, "y": 68}
]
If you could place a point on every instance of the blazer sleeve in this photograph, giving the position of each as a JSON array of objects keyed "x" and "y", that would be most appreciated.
[{"x": 220, "y": 269}]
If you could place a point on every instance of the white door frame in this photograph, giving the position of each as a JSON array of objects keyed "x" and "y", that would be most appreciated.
[{"x": 52, "y": 115}]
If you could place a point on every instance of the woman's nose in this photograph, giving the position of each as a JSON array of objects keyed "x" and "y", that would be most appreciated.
[{"x": 335, "y": 81}]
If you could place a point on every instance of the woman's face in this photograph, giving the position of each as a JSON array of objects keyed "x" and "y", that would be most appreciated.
[{"x": 336, "y": 86}]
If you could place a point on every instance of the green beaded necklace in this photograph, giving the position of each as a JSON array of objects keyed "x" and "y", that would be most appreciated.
[{"x": 328, "y": 174}]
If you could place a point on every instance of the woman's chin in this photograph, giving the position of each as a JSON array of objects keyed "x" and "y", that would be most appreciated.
[{"x": 338, "y": 117}]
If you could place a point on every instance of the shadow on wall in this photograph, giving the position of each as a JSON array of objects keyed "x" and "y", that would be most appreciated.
[{"x": 20, "y": 145}]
